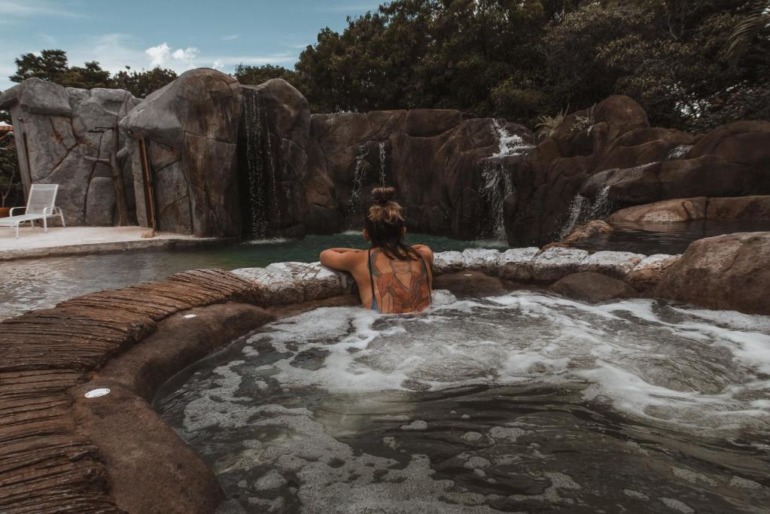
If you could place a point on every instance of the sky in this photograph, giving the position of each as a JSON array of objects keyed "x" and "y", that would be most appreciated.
[{"x": 175, "y": 34}]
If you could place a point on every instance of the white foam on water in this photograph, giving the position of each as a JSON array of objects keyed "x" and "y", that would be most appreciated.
[
  {"x": 269, "y": 241},
  {"x": 696, "y": 369},
  {"x": 695, "y": 372}
]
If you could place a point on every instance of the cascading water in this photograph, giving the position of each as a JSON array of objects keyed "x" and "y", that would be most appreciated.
[
  {"x": 259, "y": 198},
  {"x": 574, "y": 215},
  {"x": 521, "y": 403},
  {"x": 582, "y": 209},
  {"x": 359, "y": 176},
  {"x": 254, "y": 203},
  {"x": 498, "y": 183},
  {"x": 383, "y": 160}
]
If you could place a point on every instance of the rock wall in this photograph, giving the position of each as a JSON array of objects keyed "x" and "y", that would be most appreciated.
[
  {"x": 67, "y": 136},
  {"x": 223, "y": 159},
  {"x": 189, "y": 131},
  {"x": 311, "y": 173},
  {"x": 610, "y": 154}
]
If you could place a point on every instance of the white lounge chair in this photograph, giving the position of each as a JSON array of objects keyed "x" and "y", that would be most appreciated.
[{"x": 40, "y": 206}]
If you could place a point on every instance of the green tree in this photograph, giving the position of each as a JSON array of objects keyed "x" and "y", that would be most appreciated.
[
  {"x": 142, "y": 83},
  {"x": 10, "y": 181},
  {"x": 255, "y": 75},
  {"x": 52, "y": 65}
]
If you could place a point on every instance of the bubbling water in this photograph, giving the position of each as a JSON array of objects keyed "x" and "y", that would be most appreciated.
[{"x": 524, "y": 402}]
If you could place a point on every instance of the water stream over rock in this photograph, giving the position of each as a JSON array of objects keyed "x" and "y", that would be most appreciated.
[{"x": 497, "y": 181}]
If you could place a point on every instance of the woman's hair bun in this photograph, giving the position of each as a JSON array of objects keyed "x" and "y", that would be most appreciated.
[{"x": 383, "y": 195}]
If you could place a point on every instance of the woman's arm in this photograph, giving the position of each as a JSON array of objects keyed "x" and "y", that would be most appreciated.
[
  {"x": 426, "y": 253},
  {"x": 340, "y": 259}
]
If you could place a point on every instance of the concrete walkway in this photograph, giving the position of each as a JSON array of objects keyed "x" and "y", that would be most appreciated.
[{"x": 58, "y": 241}]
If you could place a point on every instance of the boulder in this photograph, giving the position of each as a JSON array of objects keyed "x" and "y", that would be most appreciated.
[
  {"x": 293, "y": 282},
  {"x": 649, "y": 272},
  {"x": 516, "y": 264},
  {"x": 439, "y": 162},
  {"x": 447, "y": 262},
  {"x": 668, "y": 211},
  {"x": 67, "y": 136},
  {"x": 557, "y": 262},
  {"x": 626, "y": 163},
  {"x": 274, "y": 159},
  {"x": 470, "y": 284},
  {"x": 613, "y": 264},
  {"x": 587, "y": 231},
  {"x": 748, "y": 208},
  {"x": 195, "y": 120},
  {"x": 724, "y": 272},
  {"x": 477, "y": 259},
  {"x": 591, "y": 287}
]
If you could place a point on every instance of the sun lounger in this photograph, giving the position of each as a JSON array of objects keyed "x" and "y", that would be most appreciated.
[{"x": 40, "y": 206}]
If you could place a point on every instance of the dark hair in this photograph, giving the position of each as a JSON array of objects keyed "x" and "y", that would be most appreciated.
[{"x": 385, "y": 222}]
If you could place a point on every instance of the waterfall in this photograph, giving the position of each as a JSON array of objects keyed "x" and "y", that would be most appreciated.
[
  {"x": 497, "y": 179},
  {"x": 582, "y": 210},
  {"x": 497, "y": 186},
  {"x": 255, "y": 208},
  {"x": 359, "y": 175},
  {"x": 601, "y": 207},
  {"x": 259, "y": 197},
  {"x": 383, "y": 156},
  {"x": 575, "y": 213},
  {"x": 508, "y": 144}
]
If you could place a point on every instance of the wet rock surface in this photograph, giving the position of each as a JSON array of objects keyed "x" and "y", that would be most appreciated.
[
  {"x": 592, "y": 287},
  {"x": 611, "y": 151},
  {"x": 724, "y": 272},
  {"x": 745, "y": 208}
]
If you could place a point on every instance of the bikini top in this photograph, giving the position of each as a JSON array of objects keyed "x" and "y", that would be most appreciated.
[{"x": 412, "y": 296}]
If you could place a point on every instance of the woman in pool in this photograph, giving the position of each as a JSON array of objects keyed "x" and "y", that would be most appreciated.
[{"x": 392, "y": 278}]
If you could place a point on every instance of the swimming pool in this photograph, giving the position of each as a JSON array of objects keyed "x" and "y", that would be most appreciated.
[
  {"x": 523, "y": 402},
  {"x": 42, "y": 283}
]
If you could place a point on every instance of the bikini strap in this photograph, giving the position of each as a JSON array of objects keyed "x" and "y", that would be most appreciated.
[
  {"x": 427, "y": 277},
  {"x": 371, "y": 271}
]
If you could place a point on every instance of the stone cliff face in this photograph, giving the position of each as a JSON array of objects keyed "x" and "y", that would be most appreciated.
[
  {"x": 184, "y": 140},
  {"x": 220, "y": 159},
  {"x": 610, "y": 154},
  {"x": 311, "y": 173},
  {"x": 70, "y": 137}
]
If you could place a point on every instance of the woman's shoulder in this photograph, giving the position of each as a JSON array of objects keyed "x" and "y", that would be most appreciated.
[{"x": 424, "y": 250}]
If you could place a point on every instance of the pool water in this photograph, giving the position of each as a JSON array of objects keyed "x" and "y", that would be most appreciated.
[
  {"x": 42, "y": 283},
  {"x": 519, "y": 403}
]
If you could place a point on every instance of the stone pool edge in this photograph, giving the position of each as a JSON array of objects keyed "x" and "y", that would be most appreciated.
[
  {"x": 113, "y": 247},
  {"x": 56, "y": 454}
]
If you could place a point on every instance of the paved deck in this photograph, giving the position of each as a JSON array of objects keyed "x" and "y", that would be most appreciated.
[{"x": 58, "y": 241}]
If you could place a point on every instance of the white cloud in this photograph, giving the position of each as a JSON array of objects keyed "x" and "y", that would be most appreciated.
[
  {"x": 161, "y": 55},
  {"x": 158, "y": 54},
  {"x": 115, "y": 51},
  {"x": 11, "y": 10},
  {"x": 230, "y": 37},
  {"x": 256, "y": 60}
]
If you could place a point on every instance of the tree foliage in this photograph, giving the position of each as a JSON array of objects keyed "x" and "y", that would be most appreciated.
[
  {"x": 690, "y": 64},
  {"x": 53, "y": 65},
  {"x": 523, "y": 59},
  {"x": 142, "y": 83},
  {"x": 10, "y": 181},
  {"x": 255, "y": 75}
]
